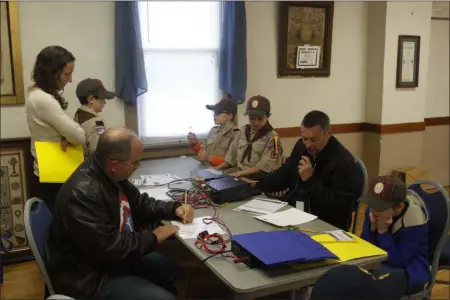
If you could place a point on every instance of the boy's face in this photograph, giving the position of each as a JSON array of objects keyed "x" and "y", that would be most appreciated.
[
  {"x": 96, "y": 104},
  {"x": 388, "y": 213},
  {"x": 221, "y": 118}
]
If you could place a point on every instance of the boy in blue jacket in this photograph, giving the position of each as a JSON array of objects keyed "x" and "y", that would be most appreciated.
[{"x": 396, "y": 220}]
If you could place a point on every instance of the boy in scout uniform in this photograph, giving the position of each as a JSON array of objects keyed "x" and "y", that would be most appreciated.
[
  {"x": 257, "y": 148},
  {"x": 220, "y": 136},
  {"x": 92, "y": 95}
]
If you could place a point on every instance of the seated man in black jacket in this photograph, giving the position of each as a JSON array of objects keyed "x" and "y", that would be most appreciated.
[
  {"x": 95, "y": 247},
  {"x": 320, "y": 171}
]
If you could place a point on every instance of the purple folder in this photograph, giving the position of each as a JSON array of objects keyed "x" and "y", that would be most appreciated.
[{"x": 283, "y": 247}]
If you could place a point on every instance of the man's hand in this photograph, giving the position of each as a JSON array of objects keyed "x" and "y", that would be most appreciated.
[
  {"x": 235, "y": 174},
  {"x": 383, "y": 225},
  {"x": 203, "y": 155},
  {"x": 278, "y": 194},
  {"x": 64, "y": 144},
  {"x": 305, "y": 169},
  {"x": 185, "y": 216},
  {"x": 192, "y": 138},
  {"x": 373, "y": 222},
  {"x": 164, "y": 232}
]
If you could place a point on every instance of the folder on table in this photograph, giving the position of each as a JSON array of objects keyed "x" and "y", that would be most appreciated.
[
  {"x": 282, "y": 247},
  {"x": 55, "y": 165},
  {"x": 348, "y": 251}
]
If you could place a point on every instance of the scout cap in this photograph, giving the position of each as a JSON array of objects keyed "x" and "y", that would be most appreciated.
[
  {"x": 385, "y": 192},
  {"x": 224, "y": 106},
  {"x": 93, "y": 87},
  {"x": 258, "y": 106}
]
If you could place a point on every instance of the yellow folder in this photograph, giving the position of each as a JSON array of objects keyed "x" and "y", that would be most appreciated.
[
  {"x": 55, "y": 165},
  {"x": 345, "y": 250}
]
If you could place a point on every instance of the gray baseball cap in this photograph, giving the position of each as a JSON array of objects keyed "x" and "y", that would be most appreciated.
[{"x": 93, "y": 87}]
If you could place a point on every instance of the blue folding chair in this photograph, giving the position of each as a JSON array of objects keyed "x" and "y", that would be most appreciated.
[
  {"x": 438, "y": 205},
  {"x": 444, "y": 260},
  {"x": 363, "y": 171},
  {"x": 37, "y": 220}
]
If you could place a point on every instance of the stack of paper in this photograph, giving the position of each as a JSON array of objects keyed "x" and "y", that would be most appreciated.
[
  {"x": 191, "y": 230},
  {"x": 158, "y": 179},
  {"x": 261, "y": 206},
  {"x": 288, "y": 217},
  {"x": 159, "y": 193}
]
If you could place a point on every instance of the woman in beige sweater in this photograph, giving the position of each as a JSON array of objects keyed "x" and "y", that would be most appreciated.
[{"x": 45, "y": 106}]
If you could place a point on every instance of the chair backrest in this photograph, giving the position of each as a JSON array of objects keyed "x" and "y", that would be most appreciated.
[
  {"x": 438, "y": 205},
  {"x": 362, "y": 175},
  {"x": 37, "y": 220}
]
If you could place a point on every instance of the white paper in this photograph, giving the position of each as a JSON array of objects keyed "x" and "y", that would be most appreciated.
[
  {"x": 214, "y": 171},
  {"x": 191, "y": 230},
  {"x": 340, "y": 235},
  {"x": 408, "y": 61},
  {"x": 159, "y": 193},
  {"x": 157, "y": 179},
  {"x": 287, "y": 217},
  {"x": 308, "y": 57},
  {"x": 261, "y": 206}
]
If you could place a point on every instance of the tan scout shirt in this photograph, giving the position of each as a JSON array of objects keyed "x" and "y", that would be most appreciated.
[
  {"x": 47, "y": 121},
  {"x": 92, "y": 125},
  {"x": 219, "y": 139},
  {"x": 263, "y": 155}
]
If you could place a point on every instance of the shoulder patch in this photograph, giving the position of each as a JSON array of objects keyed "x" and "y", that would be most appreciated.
[
  {"x": 99, "y": 123},
  {"x": 264, "y": 138}
]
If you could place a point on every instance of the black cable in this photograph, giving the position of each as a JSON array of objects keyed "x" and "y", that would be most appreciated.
[{"x": 197, "y": 268}]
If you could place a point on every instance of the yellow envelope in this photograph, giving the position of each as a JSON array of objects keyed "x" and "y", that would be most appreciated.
[
  {"x": 55, "y": 166},
  {"x": 347, "y": 251}
]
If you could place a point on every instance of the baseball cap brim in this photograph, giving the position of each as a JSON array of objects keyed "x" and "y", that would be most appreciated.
[
  {"x": 106, "y": 95},
  {"x": 210, "y": 107},
  {"x": 255, "y": 112},
  {"x": 376, "y": 203}
]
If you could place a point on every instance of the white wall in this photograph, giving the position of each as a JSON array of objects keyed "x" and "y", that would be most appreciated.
[
  {"x": 84, "y": 28},
  {"x": 342, "y": 95},
  {"x": 437, "y": 101}
]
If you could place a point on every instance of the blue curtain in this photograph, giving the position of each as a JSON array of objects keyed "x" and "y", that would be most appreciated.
[
  {"x": 233, "y": 47},
  {"x": 131, "y": 80}
]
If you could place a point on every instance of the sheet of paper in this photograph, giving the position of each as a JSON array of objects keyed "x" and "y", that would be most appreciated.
[
  {"x": 159, "y": 193},
  {"x": 215, "y": 172},
  {"x": 261, "y": 206},
  {"x": 157, "y": 179},
  {"x": 347, "y": 251},
  {"x": 55, "y": 165},
  {"x": 287, "y": 217},
  {"x": 191, "y": 230}
]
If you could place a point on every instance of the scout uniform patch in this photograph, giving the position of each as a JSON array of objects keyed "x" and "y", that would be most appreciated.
[{"x": 100, "y": 126}]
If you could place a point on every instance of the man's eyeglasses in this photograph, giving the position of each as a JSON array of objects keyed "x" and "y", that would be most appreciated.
[{"x": 135, "y": 164}]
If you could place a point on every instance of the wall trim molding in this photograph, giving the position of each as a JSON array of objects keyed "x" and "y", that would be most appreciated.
[{"x": 374, "y": 128}]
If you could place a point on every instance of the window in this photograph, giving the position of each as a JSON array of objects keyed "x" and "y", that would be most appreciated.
[{"x": 181, "y": 52}]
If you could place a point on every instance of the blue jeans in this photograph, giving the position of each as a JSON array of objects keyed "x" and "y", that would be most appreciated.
[{"x": 153, "y": 277}]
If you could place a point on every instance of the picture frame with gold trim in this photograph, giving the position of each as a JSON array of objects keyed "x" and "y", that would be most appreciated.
[{"x": 11, "y": 80}]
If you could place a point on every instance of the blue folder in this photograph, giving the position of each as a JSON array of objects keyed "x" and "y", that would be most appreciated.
[{"x": 283, "y": 247}]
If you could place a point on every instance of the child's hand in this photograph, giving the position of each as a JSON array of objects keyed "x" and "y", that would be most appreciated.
[{"x": 383, "y": 225}]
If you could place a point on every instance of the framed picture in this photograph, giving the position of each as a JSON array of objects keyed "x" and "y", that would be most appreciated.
[
  {"x": 408, "y": 57},
  {"x": 440, "y": 11},
  {"x": 16, "y": 186},
  {"x": 305, "y": 38},
  {"x": 11, "y": 79}
]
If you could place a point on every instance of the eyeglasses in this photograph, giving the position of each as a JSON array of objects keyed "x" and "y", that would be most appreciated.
[{"x": 134, "y": 164}]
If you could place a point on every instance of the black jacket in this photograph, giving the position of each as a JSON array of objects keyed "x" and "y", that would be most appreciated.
[
  {"x": 85, "y": 244},
  {"x": 331, "y": 192}
]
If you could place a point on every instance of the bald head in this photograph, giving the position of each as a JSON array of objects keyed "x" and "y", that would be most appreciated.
[{"x": 115, "y": 143}]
